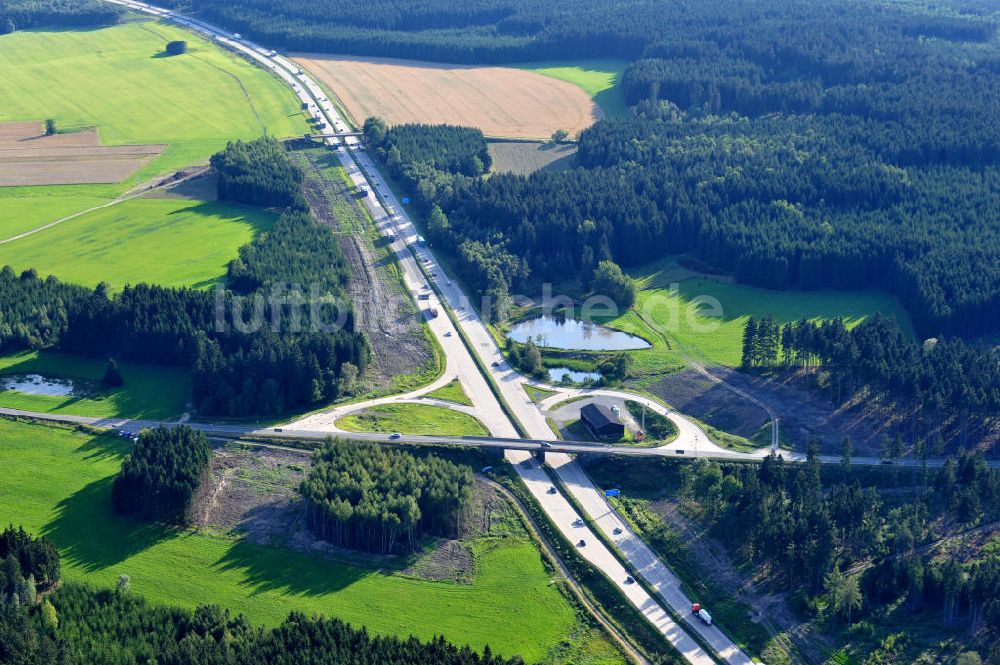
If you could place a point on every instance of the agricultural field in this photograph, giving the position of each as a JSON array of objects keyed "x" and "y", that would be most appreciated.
[
  {"x": 675, "y": 306},
  {"x": 524, "y": 158},
  {"x": 413, "y": 419},
  {"x": 116, "y": 80},
  {"x": 165, "y": 241},
  {"x": 57, "y": 482},
  {"x": 599, "y": 78},
  {"x": 30, "y": 157},
  {"x": 150, "y": 392},
  {"x": 502, "y": 101}
]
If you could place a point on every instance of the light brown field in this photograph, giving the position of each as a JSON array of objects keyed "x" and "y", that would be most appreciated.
[
  {"x": 503, "y": 102},
  {"x": 28, "y": 157}
]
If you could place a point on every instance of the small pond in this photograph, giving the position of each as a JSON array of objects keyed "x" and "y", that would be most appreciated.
[
  {"x": 575, "y": 335},
  {"x": 36, "y": 384},
  {"x": 557, "y": 374}
]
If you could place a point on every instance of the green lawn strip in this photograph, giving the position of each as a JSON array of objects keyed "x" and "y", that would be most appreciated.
[
  {"x": 675, "y": 301},
  {"x": 57, "y": 482},
  {"x": 536, "y": 394},
  {"x": 150, "y": 392},
  {"x": 166, "y": 241},
  {"x": 25, "y": 213},
  {"x": 413, "y": 419},
  {"x": 192, "y": 103},
  {"x": 451, "y": 393},
  {"x": 616, "y": 608},
  {"x": 600, "y": 78}
]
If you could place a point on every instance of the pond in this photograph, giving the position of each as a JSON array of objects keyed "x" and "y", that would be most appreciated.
[
  {"x": 36, "y": 384},
  {"x": 575, "y": 335},
  {"x": 557, "y": 374}
]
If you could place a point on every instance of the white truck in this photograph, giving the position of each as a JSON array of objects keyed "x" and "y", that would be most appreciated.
[{"x": 701, "y": 613}]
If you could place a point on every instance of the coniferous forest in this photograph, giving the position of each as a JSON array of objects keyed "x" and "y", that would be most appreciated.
[
  {"x": 280, "y": 337},
  {"x": 158, "y": 479},
  {"x": 382, "y": 499}
]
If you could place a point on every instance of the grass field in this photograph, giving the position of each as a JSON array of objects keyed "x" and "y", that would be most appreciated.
[
  {"x": 193, "y": 103},
  {"x": 674, "y": 302},
  {"x": 502, "y": 101},
  {"x": 149, "y": 392},
  {"x": 452, "y": 393},
  {"x": 57, "y": 482},
  {"x": 413, "y": 419},
  {"x": 599, "y": 78},
  {"x": 524, "y": 158},
  {"x": 166, "y": 241}
]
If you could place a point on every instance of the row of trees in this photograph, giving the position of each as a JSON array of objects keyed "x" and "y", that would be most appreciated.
[
  {"x": 25, "y": 14},
  {"x": 382, "y": 499},
  {"x": 85, "y": 626},
  {"x": 159, "y": 478},
  {"x": 947, "y": 378},
  {"x": 521, "y": 30}
]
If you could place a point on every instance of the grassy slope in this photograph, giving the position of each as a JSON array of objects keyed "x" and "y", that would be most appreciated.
[
  {"x": 57, "y": 482},
  {"x": 171, "y": 242},
  {"x": 149, "y": 392},
  {"x": 599, "y": 78},
  {"x": 675, "y": 313},
  {"x": 413, "y": 419},
  {"x": 192, "y": 103},
  {"x": 452, "y": 392}
]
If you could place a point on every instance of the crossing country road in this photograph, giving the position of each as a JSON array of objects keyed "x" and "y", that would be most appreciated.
[{"x": 474, "y": 358}]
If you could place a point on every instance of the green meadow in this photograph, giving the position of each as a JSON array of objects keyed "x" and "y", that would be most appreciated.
[
  {"x": 57, "y": 482},
  {"x": 165, "y": 241},
  {"x": 413, "y": 419},
  {"x": 688, "y": 314},
  {"x": 116, "y": 79},
  {"x": 599, "y": 78},
  {"x": 150, "y": 392}
]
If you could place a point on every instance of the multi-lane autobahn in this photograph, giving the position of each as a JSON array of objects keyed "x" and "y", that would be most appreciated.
[{"x": 496, "y": 391}]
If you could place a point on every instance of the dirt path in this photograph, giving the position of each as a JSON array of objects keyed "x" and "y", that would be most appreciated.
[{"x": 381, "y": 310}]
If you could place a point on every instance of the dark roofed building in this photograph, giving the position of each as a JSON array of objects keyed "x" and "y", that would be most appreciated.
[{"x": 602, "y": 421}]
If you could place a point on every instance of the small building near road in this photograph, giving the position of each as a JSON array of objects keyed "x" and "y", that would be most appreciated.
[{"x": 602, "y": 422}]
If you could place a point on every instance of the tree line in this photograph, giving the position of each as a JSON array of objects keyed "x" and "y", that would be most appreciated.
[
  {"x": 28, "y": 565},
  {"x": 160, "y": 476},
  {"x": 382, "y": 499},
  {"x": 493, "y": 31},
  {"x": 78, "y": 625},
  {"x": 26, "y": 14},
  {"x": 443, "y": 147},
  {"x": 280, "y": 337},
  {"x": 931, "y": 381}
]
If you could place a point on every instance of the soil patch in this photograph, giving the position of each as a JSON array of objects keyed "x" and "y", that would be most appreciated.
[{"x": 29, "y": 157}]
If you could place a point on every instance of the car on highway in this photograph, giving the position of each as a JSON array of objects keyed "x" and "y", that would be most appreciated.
[
  {"x": 395, "y": 435},
  {"x": 629, "y": 579},
  {"x": 494, "y": 364},
  {"x": 552, "y": 489},
  {"x": 617, "y": 531},
  {"x": 546, "y": 444},
  {"x": 447, "y": 333},
  {"x": 581, "y": 543}
]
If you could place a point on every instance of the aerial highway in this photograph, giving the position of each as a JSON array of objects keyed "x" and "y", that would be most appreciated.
[{"x": 495, "y": 389}]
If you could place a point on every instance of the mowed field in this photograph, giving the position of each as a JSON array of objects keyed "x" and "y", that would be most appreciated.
[
  {"x": 57, "y": 482},
  {"x": 150, "y": 392},
  {"x": 526, "y": 157},
  {"x": 413, "y": 419},
  {"x": 165, "y": 241},
  {"x": 117, "y": 81},
  {"x": 675, "y": 305},
  {"x": 502, "y": 101}
]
